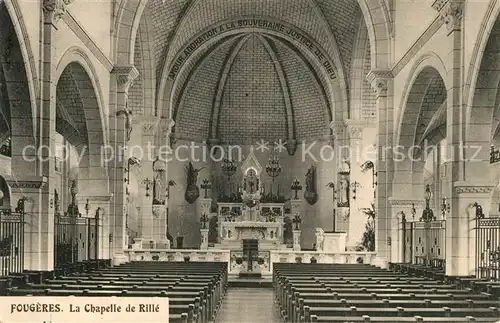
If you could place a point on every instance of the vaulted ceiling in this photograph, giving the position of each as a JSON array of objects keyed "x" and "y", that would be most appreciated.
[{"x": 255, "y": 63}]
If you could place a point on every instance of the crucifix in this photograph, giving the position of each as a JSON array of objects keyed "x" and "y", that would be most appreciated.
[
  {"x": 206, "y": 185},
  {"x": 297, "y": 221}
]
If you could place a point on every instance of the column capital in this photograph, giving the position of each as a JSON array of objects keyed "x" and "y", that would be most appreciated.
[
  {"x": 450, "y": 12},
  {"x": 125, "y": 76},
  {"x": 379, "y": 80},
  {"x": 33, "y": 182},
  {"x": 148, "y": 124},
  {"x": 54, "y": 10},
  {"x": 355, "y": 128},
  {"x": 467, "y": 188},
  {"x": 338, "y": 127},
  {"x": 166, "y": 126},
  {"x": 405, "y": 202}
]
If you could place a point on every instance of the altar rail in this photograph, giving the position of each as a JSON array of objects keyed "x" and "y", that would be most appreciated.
[
  {"x": 424, "y": 243},
  {"x": 264, "y": 262}
]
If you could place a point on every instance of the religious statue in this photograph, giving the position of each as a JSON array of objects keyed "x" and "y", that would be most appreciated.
[
  {"x": 343, "y": 192},
  {"x": 128, "y": 119},
  {"x": 320, "y": 240},
  {"x": 251, "y": 182},
  {"x": 310, "y": 194},
  {"x": 159, "y": 188},
  {"x": 192, "y": 191}
]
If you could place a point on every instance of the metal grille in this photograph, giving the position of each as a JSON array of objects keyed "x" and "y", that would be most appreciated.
[
  {"x": 488, "y": 248},
  {"x": 424, "y": 243},
  {"x": 76, "y": 239},
  {"x": 11, "y": 242}
]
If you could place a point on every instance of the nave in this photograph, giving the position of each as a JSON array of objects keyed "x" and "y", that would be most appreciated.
[{"x": 200, "y": 292}]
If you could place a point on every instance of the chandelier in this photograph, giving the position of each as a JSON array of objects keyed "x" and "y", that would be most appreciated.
[
  {"x": 228, "y": 167},
  {"x": 273, "y": 168}
]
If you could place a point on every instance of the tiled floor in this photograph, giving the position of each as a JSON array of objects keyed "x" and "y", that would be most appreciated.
[{"x": 249, "y": 305}]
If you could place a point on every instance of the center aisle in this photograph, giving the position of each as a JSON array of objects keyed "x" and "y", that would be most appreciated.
[{"x": 249, "y": 305}]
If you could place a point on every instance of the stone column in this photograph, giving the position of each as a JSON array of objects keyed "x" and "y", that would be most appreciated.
[
  {"x": 152, "y": 218},
  {"x": 296, "y": 240},
  {"x": 381, "y": 81},
  {"x": 38, "y": 243},
  {"x": 33, "y": 178},
  {"x": 356, "y": 222},
  {"x": 462, "y": 260},
  {"x": 164, "y": 153},
  {"x": 398, "y": 207},
  {"x": 342, "y": 150},
  {"x": 120, "y": 124},
  {"x": 451, "y": 14}
]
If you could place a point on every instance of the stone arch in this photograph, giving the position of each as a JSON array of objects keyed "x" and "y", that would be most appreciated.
[
  {"x": 80, "y": 115},
  {"x": 337, "y": 87},
  {"x": 483, "y": 80},
  {"x": 427, "y": 74},
  {"x": 376, "y": 14},
  {"x": 126, "y": 24},
  {"x": 77, "y": 55},
  {"x": 23, "y": 39}
]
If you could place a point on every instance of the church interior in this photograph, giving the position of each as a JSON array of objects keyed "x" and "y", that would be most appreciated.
[{"x": 287, "y": 161}]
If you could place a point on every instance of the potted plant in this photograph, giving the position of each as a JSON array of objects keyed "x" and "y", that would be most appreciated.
[{"x": 368, "y": 239}]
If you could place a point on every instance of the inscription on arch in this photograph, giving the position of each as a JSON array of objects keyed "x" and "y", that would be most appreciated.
[{"x": 264, "y": 24}]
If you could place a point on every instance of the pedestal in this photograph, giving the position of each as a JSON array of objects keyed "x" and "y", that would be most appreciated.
[
  {"x": 204, "y": 239},
  {"x": 296, "y": 240},
  {"x": 334, "y": 242},
  {"x": 320, "y": 239},
  {"x": 119, "y": 259}
]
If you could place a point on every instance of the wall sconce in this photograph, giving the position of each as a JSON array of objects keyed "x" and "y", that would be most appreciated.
[
  {"x": 355, "y": 186},
  {"x": 479, "y": 210},
  {"x": 370, "y": 165},
  {"x": 402, "y": 215},
  {"x": 148, "y": 184},
  {"x": 131, "y": 162},
  {"x": 413, "y": 210},
  {"x": 170, "y": 183},
  {"x": 445, "y": 208}
]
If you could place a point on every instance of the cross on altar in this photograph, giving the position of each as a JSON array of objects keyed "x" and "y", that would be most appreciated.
[
  {"x": 206, "y": 185},
  {"x": 204, "y": 220},
  {"x": 297, "y": 220}
]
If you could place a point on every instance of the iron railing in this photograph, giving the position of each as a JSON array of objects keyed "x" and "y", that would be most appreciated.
[
  {"x": 11, "y": 241},
  {"x": 424, "y": 243},
  {"x": 488, "y": 248},
  {"x": 76, "y": 239}
]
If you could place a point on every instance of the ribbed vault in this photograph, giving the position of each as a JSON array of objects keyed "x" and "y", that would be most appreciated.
[{"x": 251, "y": 87}]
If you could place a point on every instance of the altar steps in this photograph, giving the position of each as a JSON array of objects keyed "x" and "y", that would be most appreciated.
[{"x": 250, "y": 282}]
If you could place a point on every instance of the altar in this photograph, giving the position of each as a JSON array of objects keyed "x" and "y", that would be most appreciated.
[{"x": 250, "y": 218}]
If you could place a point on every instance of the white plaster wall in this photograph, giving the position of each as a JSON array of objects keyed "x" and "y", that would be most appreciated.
[
  {"x": 95, "y": 18},
  {"x": 412, "y": 18}
]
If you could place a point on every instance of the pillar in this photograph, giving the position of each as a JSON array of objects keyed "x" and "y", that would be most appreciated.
[
  {"x": 119, "y": 125},
  {"x": 164, "y": 153},
  {"x": 381, "y": 81},
  {"x": 451, "y": 14},
  {"x": 343, "y": 150},
  {"x": 152, "y": 218}
]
